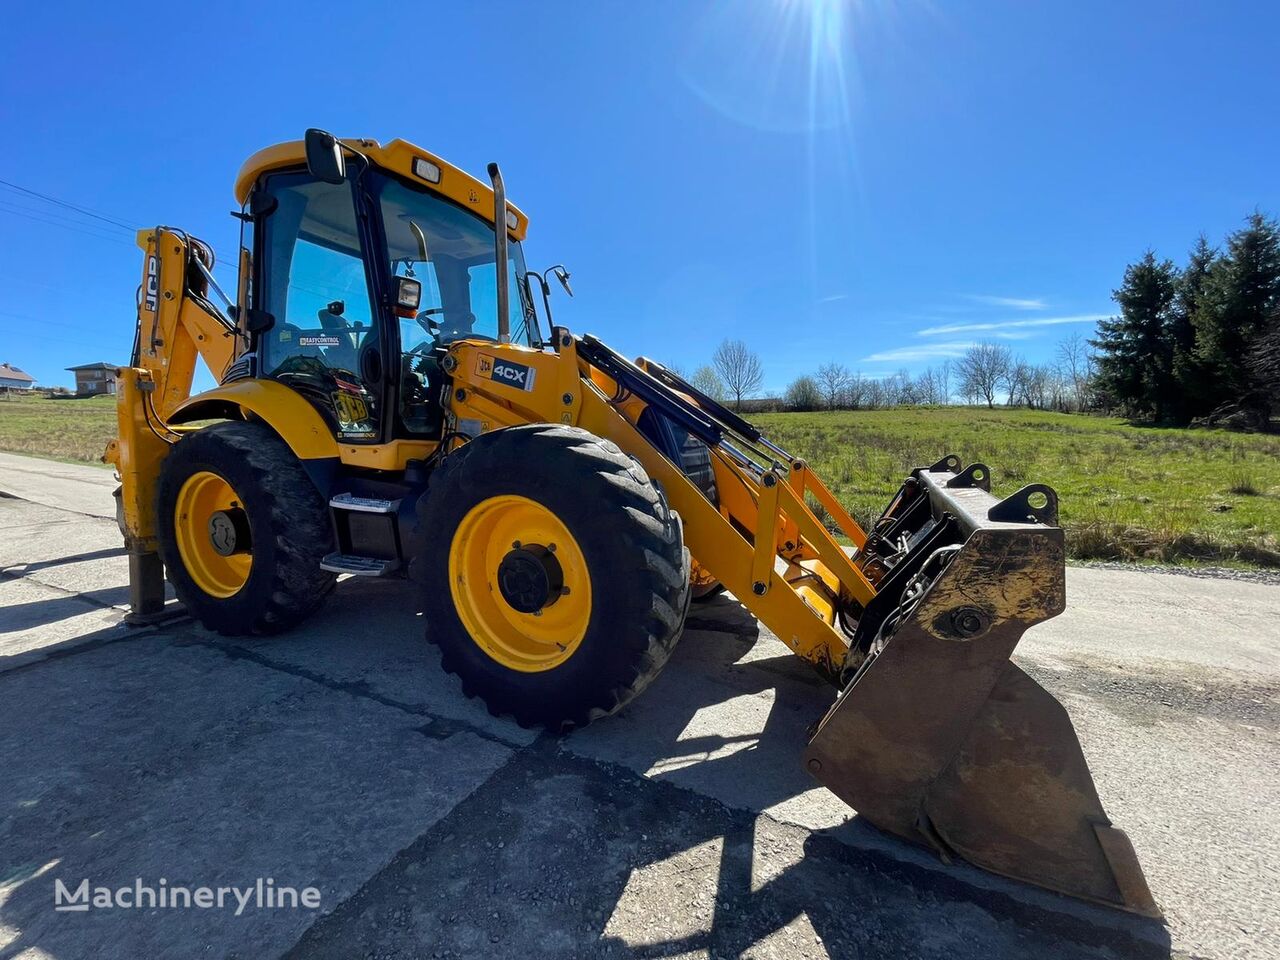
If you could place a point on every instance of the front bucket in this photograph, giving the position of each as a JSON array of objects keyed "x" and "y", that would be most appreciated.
[{"x": 941, "y": 740}]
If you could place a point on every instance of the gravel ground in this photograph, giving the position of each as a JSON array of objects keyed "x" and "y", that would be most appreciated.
[{"x": 1205, "y": 573}]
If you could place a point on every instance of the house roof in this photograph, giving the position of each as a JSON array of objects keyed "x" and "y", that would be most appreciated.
[
  {"x": 95, "y": 366},
  {"x": 9, "y": 372}
]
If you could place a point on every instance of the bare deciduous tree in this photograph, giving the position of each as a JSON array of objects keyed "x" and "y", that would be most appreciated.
[
  {"x": 1076, "y": 360},
  {"x": 983, "y": 369},
  {"x": 834, "y": 380},
  {"x": 739, "y": 369}
]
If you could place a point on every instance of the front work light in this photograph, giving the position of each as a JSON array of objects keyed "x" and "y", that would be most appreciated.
[
  {"x": 427, "y": 170},
  {"x": 408, "y": 296}
]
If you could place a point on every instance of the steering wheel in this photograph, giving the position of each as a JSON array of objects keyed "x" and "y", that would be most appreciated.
[
  {"x": 421, "y": 349},
  {"x": 425, "y": 321}
]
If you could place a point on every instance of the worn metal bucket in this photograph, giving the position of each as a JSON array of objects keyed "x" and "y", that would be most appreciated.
[{"x": 938, "y": 737}]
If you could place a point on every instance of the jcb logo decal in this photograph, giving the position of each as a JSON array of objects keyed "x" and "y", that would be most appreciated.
[
  {"x": 505, "y": 371},
  {"x": 350, "y": 409},
  {"x": 152, "y": 284}
]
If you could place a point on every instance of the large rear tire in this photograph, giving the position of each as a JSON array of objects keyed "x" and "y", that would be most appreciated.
[
  {"x": 557, "y": 582},
  {"x": 242, "y": 530}
]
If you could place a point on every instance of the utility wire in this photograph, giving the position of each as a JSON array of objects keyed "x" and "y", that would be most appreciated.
[
  {"x": 81, "y": 228},
  {"x": 70, "y": 206}
]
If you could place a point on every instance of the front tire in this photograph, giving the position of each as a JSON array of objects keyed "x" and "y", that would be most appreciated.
[
  {"x": 242, "y": 530},
  {"x": 557, "y": 583}
]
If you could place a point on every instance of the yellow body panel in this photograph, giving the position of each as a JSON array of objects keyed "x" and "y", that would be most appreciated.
[
  {"x": 282, "y": 409},
  {"x": 397, "y": 157},
  {"x": 393, "y": 456}
]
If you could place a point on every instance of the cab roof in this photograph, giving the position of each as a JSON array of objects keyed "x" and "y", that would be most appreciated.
[{"x": 396, "y": 157}]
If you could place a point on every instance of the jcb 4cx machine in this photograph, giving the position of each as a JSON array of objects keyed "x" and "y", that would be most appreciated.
[{"x": 388, "y": 404}]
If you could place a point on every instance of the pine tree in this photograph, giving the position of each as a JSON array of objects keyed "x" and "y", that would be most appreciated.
[
  {"x": 1264, "y": 368},
  {"x": 1240, "y": 296},
  {"x": 1190, "y": 398},
  {"x": 1135, "y": 360}
]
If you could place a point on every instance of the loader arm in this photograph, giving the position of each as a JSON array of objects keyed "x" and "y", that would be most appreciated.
[{"x": 936, "y": 736}]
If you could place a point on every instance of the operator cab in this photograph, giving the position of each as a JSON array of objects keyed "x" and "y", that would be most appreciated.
[{"x": 327, "y": 251}]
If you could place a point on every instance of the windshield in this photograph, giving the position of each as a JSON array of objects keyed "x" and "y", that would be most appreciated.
[{"x": 450, "y": 250}]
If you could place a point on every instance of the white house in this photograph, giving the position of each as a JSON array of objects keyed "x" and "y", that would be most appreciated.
[{"x": 14, "y": 379}]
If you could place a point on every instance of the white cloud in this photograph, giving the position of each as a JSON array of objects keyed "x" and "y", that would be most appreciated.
[
  {"x": 927, "y": 351},
  {"x": 995, "y": 325},
  {"x": 1016, "y": 303},
  {"x": 833, "y": 298}
]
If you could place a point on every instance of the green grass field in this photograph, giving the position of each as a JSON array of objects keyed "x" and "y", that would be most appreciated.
[
  {"x": 75, "y": 429},
  {"x": 1179, "y": 496},
  {"x": 1126, "y": 493}
]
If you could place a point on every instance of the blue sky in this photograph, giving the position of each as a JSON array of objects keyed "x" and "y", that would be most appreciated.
[{"x": 874, "y": 182}]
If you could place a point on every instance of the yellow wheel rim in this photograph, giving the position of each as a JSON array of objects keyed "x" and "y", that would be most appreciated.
[
  {"x": 203, "y": 537},
  {"x": 511, "y": 554}
]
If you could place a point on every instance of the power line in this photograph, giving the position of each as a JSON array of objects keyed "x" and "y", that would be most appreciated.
[
  {"x": 74, "y": 226},
  {"x": 70, "y": 206}
]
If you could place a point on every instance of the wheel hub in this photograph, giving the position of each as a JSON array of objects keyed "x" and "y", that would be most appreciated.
[
  {"x": 229, "y": 531},
  {"x": 530, "y": 578}
]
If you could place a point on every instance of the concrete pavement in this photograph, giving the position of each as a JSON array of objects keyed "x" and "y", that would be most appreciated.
[{"x": 340, "y": 756}]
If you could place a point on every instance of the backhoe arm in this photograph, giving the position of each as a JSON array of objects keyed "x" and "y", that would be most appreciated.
[{"x": 176, "y": 325}]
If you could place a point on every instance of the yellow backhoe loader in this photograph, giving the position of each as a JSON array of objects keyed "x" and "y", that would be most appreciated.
[{"x": 388, "y": 403}]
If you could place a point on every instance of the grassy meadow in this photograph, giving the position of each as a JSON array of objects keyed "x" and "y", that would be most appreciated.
[
  {"x": 76, "y": 430},
  {"x": 1129, "y": 493},
  {"x": 1125, "y": 493}
]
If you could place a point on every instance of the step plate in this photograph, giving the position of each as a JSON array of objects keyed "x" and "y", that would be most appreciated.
[
  {"x": 358, "y": 566},
  {"x": 347, "y": 501}
]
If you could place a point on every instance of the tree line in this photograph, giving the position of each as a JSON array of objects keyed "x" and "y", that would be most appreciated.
[
  {"x": 1193, "y": 343},
  {"x": 986, "y": 372},
  {"x": 1200, "y": 342}
]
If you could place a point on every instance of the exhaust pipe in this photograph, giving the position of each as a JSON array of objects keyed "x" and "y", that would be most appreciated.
[{"x": 500, "y": 253}]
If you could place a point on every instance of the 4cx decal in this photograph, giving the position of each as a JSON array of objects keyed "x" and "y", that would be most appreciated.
[{"x": 513, "y": 374}]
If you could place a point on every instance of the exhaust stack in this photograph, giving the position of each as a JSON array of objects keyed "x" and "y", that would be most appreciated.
[{"x": 500, "y": 253}]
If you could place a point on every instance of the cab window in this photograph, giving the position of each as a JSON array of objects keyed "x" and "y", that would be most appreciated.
[{"x": 315, "y": 286}]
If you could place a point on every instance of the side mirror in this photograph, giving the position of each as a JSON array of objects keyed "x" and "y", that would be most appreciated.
[
  {"x": 563, "y": 276},
  {"x": 324, "y": 157}
]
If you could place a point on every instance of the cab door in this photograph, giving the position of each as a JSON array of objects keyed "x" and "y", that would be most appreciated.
[{"x": 325, "y": 338}]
